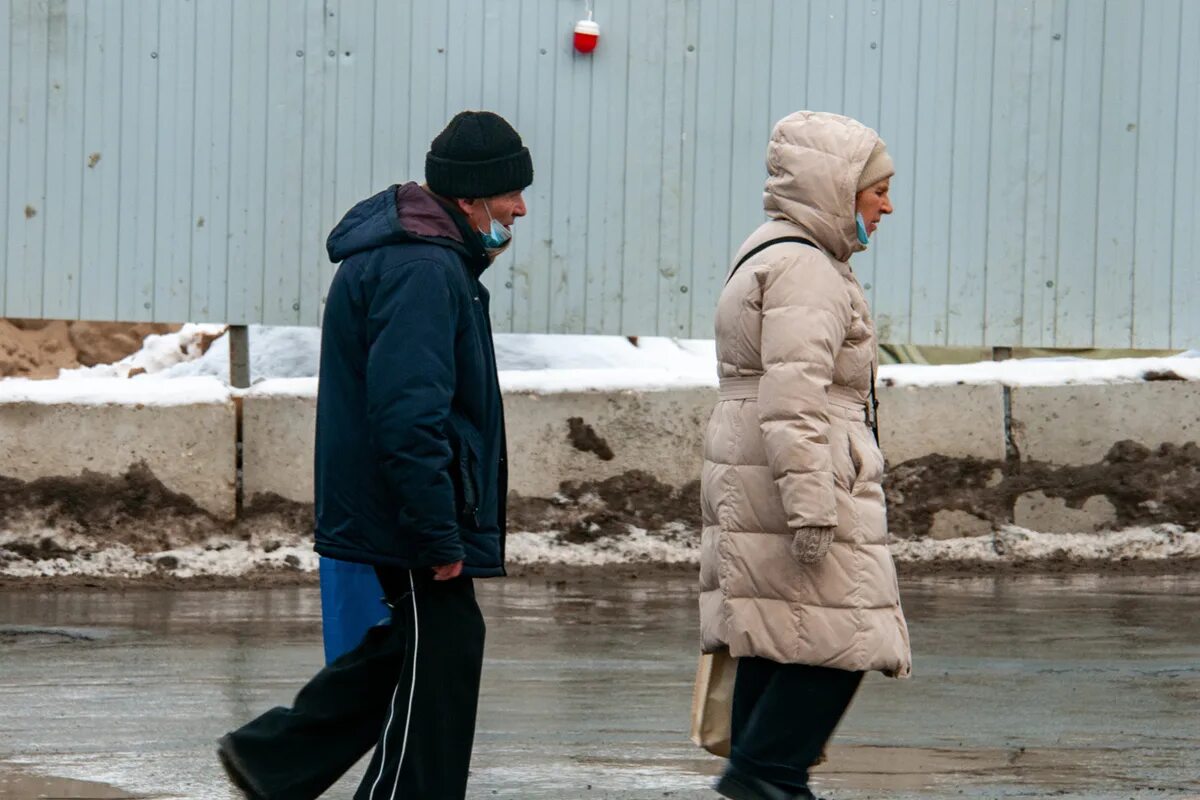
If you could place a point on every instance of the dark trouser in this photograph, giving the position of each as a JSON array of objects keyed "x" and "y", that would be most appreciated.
[
  {"x": 411, "y": 688},
  {"x": 783, "y": 714}
]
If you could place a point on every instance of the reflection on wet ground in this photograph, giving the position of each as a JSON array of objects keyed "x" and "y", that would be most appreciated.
[{"x": 1024, "y": 687}]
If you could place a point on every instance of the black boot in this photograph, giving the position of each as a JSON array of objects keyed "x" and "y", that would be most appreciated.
[{"x": 738, "y": 785}]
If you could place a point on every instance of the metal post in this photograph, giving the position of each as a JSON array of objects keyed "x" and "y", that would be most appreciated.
[
  {"x": 239, "y": 378},
  {"x": 1013, "y": 456},
  {"x": 239, "y": 357}
]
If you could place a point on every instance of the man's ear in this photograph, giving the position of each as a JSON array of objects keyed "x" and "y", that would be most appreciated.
[{"x": 465, "y": 206}]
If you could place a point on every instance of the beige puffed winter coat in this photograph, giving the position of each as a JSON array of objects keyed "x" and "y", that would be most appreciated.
[{"x": 789, "y": 445}]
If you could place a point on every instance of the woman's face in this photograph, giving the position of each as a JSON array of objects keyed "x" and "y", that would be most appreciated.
[{"x": 873, "y": 202}]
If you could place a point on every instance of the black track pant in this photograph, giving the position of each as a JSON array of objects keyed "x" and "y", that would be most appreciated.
[{"x": 410, "y": 689}]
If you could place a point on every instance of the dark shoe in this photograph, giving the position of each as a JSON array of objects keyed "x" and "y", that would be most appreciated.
[
  {"x": 737, "y": 785},
  {"x": 235, "y": 771}
]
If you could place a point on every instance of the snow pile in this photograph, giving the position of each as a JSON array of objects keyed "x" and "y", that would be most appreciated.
[
  {"x": 527, "y": 362},
  {"x": 159, "y": 353},
  {"x": 1045, "y": 371},
  {"x": 548, "y": 364},
  {"x": 525, "y": 352},
  {"x": 561, "y": 363},
  {"x": 275, "y": 352},
  {"x": 285, "y": 360}
]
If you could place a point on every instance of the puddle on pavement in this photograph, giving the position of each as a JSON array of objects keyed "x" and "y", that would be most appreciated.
[
  {"x": 587, "y": 687},
  {"x": 18, "y": 785},
  {"x": 912, "y": 769},
  {"x": 867, "y": 768}
]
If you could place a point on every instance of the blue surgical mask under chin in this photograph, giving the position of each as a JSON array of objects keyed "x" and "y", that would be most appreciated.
[
  {"x": 497, "y": 236},
  {"x": 862, "y": 229}
]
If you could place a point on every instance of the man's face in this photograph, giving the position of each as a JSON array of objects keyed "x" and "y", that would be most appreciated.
[{"x": 504, "y": 208}]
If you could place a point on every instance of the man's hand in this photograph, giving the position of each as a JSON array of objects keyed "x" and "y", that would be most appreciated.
[{"x": 447, "y": 571}]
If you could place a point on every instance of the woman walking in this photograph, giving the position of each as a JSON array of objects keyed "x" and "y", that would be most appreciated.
[{"x": 796, "y": 576}]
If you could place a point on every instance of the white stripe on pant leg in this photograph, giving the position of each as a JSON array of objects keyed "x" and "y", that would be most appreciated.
[
  {"x": 383, "y": 744},
  {"x": 392, "y": 707},
  {"x": 412, "y": 691}
]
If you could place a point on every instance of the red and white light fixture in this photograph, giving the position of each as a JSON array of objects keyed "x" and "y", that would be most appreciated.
[{"x": 587, "y": 33}]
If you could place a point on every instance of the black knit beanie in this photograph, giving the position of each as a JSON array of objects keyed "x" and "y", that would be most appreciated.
[{"x": 477, "y": 155}]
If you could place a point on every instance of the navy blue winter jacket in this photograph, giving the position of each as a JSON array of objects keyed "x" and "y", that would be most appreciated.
[{"x": 411, "y": 467}]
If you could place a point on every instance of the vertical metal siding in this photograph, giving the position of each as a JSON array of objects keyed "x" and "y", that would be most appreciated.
[
  {"x": 1152, "y": 246},
  {"x": 185, "y": 159},
  {"x": 1185, "y": 275}
]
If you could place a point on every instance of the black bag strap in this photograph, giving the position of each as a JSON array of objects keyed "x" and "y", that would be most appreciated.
[
  {"x": 760, "y": 247},
  {"x": 874, "y": 409}
]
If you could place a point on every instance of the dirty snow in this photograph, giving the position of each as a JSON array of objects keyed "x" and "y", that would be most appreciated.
[
  {"x": 228, "y": 556},
  {"x": 675, "y": 545},
  {"x": 223, "y": 556},
  {"x": 1015, "y": 545},
  {"x": 1011, "y": 545}
]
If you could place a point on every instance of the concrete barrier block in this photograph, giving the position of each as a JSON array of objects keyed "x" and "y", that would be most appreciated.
[
  {"x": 586, "y": 436},
  {"x": 1037, "y": 512},
  {"x": 955, "y": 524},
  {"x": 953, "y": 421},
  {"x": 278, "y": 435},
  {"x": 190, "y": 449},
  {"x": 590, "y": 436},
  {"x": 1078, "y": 425}
]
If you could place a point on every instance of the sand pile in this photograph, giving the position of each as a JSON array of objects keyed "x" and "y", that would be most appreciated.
[{"x": 36, "y": 348}]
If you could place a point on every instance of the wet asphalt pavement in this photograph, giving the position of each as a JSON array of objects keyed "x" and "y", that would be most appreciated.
[{"x": 1024, "y": 687}]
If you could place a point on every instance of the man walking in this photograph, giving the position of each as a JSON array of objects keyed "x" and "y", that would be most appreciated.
[{"x": 411, "y": 478}]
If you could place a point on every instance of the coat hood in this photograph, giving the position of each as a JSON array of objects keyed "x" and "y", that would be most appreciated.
[
  {"x": 403, "y": 214},
  {"x": 814, "y": 160}
]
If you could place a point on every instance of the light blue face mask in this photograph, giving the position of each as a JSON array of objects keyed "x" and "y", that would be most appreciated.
[
  {"x": 862, "y": 229},
  {"x": 498, "y": 236}
]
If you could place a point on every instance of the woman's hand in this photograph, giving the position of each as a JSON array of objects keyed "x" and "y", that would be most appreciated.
[{"x": 809, "y": 545}]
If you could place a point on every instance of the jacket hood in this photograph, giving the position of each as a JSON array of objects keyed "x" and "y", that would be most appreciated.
[
  {"x": 404, "y": 213},
  {"x": 814, "y": 160}
]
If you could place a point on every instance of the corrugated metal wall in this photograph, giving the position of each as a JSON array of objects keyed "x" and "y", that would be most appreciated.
[{"x": 184, "y": 159}]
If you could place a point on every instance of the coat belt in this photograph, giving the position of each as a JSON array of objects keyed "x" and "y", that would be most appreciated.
[{"x": 746, "y": 388}]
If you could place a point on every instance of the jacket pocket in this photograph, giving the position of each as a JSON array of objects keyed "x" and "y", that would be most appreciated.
[
  {"x": 866, "y": 458},
  {"x": 845, "y": 467},
  {"x": 465, "y": 472},
  {"x": 469, "y": 510}
]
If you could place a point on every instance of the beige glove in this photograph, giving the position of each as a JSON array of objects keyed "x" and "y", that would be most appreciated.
[{"x": 809, "y": 545}]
